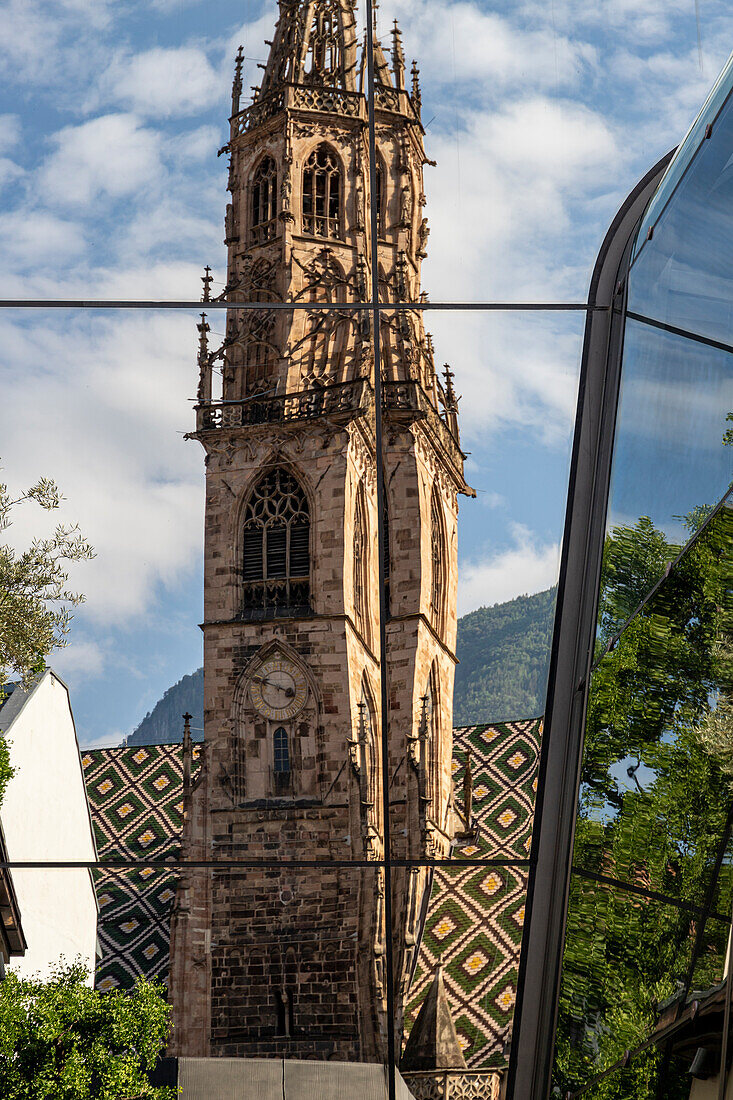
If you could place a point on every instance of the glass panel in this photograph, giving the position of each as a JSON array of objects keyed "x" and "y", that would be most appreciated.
[
  {"x": 653, "y": 825},
  {"x": 129, "y": 188},
  {"x": 655, "y": 777},
  {"x": 683, "y": 275},
  {"x": 285, "y": 964},
  {"x": 624, "y": 957},
  {"x": 671, "y": 460},
  {"x": 686, "y": 157},
  {"x": 467, "y": 957},
  {"x": 471, "y": 596}
]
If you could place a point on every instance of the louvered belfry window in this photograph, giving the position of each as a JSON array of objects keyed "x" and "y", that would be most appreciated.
[
  {"x": 276, "y": 545},
  {"x": 322, "y": 194},
  {"x": 264, "y": 201}
]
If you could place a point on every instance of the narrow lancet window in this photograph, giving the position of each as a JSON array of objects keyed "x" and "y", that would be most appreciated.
[
  {"x": 322, "y": 194},
  {"x": 276, "y": 546},
  {"x": 360, "y": 562},
  {"x": 281, "y": 759},
  {"x": 264, "y": 201},
  {"x": 437, "y": 564}
]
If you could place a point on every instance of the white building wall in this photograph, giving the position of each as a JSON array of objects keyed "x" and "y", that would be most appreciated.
[{"x": 45, "y": 817}]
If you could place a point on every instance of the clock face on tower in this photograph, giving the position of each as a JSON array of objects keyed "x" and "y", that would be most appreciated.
[{"x": 278, "y": 689}]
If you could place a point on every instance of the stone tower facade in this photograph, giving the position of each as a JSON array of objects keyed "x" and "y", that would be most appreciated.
[{"x": 290, "y": 962}]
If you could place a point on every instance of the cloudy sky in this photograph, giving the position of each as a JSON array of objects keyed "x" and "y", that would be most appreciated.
[{"x": 541, "y": 116}]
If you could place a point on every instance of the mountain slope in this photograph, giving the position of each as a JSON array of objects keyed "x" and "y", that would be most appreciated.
[
  {"x": 165, "y": 721},
  {"x": 504, "y": 653}
]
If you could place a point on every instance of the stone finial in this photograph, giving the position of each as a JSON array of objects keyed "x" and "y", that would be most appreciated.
[
  {"x": 204, "y": 363},
  {"x": 398, "y": 57},
  {"x": 433, "y": 1042},
  {"x": 207, "y": 280},
  {"x": 416, "y": 93},
  {"x": 187, "y": 752},
  {"x": 450, "y": 394},
  {"x": 237, "y": 84}
]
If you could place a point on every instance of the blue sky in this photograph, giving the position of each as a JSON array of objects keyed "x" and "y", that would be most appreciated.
[{"x": 541, "y": 117}]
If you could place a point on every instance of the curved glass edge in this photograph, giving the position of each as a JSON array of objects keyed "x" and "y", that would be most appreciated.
[{"x": 686, "y": 151}]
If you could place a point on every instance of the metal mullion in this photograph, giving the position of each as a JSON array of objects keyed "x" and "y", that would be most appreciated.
[
  {"x": 177, "y": 303},
  {"x": 379, "y": 463},
  {"x": 274, "y": 863}
]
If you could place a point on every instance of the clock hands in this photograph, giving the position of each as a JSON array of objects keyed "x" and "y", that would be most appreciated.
[{"x": 264, "y": 680}]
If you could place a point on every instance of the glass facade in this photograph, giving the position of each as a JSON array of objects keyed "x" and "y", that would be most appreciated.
[
  {"x": 358, "y": 846},
  {"x": 647, "y": 912}
]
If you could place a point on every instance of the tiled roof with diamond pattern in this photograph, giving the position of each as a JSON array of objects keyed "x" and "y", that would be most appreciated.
[
  {"x": 474, "y": 921},
  {"x": 475, "y": 918},
  {"x": 136, "y": 799}
]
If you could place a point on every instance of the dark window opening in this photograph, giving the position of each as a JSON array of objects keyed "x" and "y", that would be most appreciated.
[
  {"x": 380, "y": 201},
  {"x": 437, "y": 580},
  {"x": 322, "y": 194},
  {"x": 264, "y": 201},
  {"x": 276, "y": 546},
  {"x": 281, "y": 759}
]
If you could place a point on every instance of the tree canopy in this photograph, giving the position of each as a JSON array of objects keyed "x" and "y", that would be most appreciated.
[
  {"x": 34, "y": 600},
  {"x": 62, "y": 1040}
]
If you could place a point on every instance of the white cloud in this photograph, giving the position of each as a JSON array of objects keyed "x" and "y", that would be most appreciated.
[
  {"x": 526, "y": 567},
  {"x": 80, "y": 660},
  {"x": 9, "y": 132},
  {"x": 461, "y": 43},
  {"x": 31, "y": 238},
  {"x": 163, "y": 82},
  {"x": 112, "y": 155},
  {"x": 100, "y": 403},
  {"x": 508, "y": 196}
]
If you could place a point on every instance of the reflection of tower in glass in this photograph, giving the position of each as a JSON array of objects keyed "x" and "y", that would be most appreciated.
[{"x": 292, "y": 962}]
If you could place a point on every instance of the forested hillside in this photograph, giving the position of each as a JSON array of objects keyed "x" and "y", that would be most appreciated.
[{"x": 504, "y": 653}]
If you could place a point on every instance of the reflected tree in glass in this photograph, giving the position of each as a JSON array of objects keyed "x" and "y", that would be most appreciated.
[{"x": 654, "y": 797}]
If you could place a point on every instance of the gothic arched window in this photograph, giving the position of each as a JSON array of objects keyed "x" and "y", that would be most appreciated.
[
  {"x": 437, "y": 563},
  {"x": 281, "y": 758},
  {"x": 276, "y": 546},
  {"x": 432, "y": 733},
  {"x": 264, "y": 201},
  {"x": 322, "y": 193},
  {"x": 386, "y": 553},
  {"x": 360, "y": 575}
]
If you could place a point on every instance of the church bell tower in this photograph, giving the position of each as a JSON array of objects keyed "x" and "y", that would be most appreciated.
[{"x": 290, "y": 961}]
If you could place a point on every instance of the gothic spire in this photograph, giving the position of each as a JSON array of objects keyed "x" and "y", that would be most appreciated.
[
  {"x": 398, "y": 57},
  {"x": 237, "y": 83},
  {"x": 314, "y": 43},
  {"x": 433, "y": 1043}
]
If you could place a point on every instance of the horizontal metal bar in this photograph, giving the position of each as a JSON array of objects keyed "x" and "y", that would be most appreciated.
[
  {"x": 652, "y": 895},
  {"x": 274, "y": 864},
  {"x": 356, "y": 307},
  {"x": 686, "y": 333}
]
